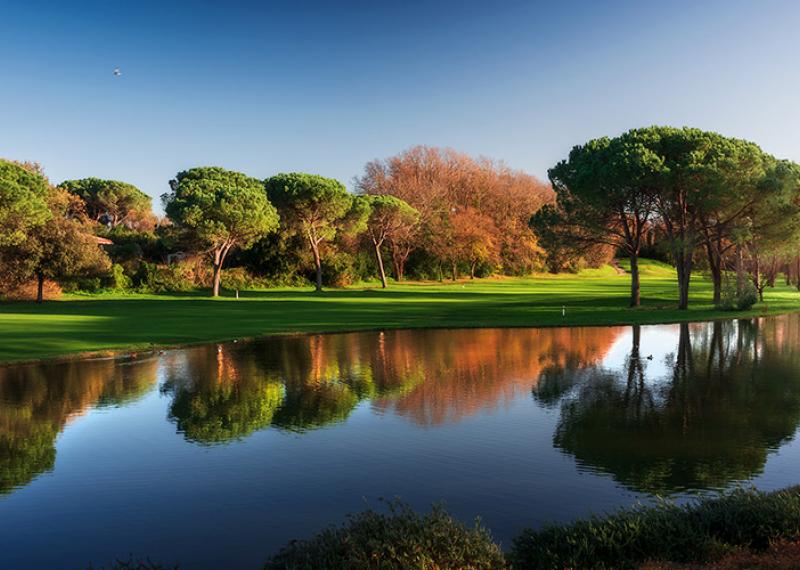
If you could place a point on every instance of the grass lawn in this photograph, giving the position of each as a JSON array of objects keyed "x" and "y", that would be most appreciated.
[{"x": 105, "y": 322}]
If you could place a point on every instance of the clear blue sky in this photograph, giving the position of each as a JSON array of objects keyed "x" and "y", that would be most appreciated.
[{"x": 325, "y": 86}]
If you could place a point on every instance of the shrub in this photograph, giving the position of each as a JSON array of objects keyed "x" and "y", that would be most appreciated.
[
  {"x": 238, "y": 278},
  {"x": 340, "y": 269},
  {"x": 83, "y": 284},
  {"x": 399, "y": 540},
  {"x": 117, "y": 279},
  {"x": 732, "y": 300},
  {"x": 693, "y": 533},
  {"x": 154, "y": 278}
]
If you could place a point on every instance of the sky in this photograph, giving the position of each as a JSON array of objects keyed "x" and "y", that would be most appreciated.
[{"x": 326, "y": 86}]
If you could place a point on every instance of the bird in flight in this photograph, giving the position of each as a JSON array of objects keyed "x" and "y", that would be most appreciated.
[{"x": 117, "y": 72}]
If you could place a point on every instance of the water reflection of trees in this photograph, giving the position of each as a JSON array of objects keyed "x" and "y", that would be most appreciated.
[
  {"x": 466, "y": 371},
  {"x": 293, "y": 383},
  {"x": 731, "y": 395},
  {"x": 306, "y": 382},
  {"x": 37, "y": 401}
]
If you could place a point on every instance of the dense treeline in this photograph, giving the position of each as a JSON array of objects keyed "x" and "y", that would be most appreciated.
[
  {"x": 697, "y": 199},
  {"x": 712, "y": 201},
  {"x": 416, "y": 214}
]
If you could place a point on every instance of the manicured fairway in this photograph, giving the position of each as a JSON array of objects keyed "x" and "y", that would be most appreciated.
[{"x": 116, "y": 322}]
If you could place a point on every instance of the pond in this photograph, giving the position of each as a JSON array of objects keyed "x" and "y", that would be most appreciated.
[{"x": 216, "y": 456}]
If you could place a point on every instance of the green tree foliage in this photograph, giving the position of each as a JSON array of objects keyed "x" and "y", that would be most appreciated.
[
  {"x": 696, "y": 188},
  {"x": 64, "y": 248},
  {"x": 113, "y": 202},
  {"x": 60, "y": 249},
  {"x": 703, "y": 185},
  {"x": 771, "y": 232},
  {"x": 389, "y": 218},
  {"x": 317, "y": 208},
  {"x": 23, "y": 202},
  {"x": 602, "y": 196},
  {"x": 221, "y": 209}
]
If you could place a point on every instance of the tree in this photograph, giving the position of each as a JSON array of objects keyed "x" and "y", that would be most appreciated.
[
  {"x": 390, "y": 219},
  {"x": 737, "y": 173},
  {"x": 476, "y": 240},
  {"x": 60, "y": 248},
  {"x": 64, "y": 248},
  {"x": 773, "y": 225},
  {"x": 703, "y": 184},
  {"x": 438, "y": 182},
  {"x": 112, "y": 202},
  {"x": 602, "y": 196},
  {"x": 23, "y": 201},
  {"x": 317, "y": 208},
  {"x": 221, "y": 209}
]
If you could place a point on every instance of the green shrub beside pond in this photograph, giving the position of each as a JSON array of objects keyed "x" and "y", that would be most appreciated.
[
  {"x": 697, "y": 532},
  {"x": 400, "y": 539}
]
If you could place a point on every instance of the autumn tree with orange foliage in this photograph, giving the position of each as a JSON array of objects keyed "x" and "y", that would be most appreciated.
[{"x": 472, "y": 211}]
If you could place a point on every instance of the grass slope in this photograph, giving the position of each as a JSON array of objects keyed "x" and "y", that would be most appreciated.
[{"x": 107, "y": 322}]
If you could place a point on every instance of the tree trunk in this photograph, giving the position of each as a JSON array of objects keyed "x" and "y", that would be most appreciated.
[
  {"x": 317, "y": 266},
  {"x": 455, "y": 271},
  {"x": 684, "y": 267},
  {"x": 217, "y": 272},
  {"x": 798, "y": 273},
  {"x": 757, "y": 278},
  {"x": 39, "y": 288},
  {"x": 472, "y": 270},
  {"x": 379, "y": 260},
  {"x": 635, "y": 286},
  {"x": 739, "y": 271},
  {"x": 715, "y": 265},
  {"x": 398, "y": 273}
]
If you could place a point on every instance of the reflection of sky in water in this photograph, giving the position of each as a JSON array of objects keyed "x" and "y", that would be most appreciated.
[
  {"x": 658, "y": 341},
  {"x": 216, "y": 458}
]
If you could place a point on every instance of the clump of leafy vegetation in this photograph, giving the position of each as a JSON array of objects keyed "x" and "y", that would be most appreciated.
[
  {"x": 743, "y": 529},
  {"x": 398, "y": 540},
  {"x": 735, "y": 298},
  {"x": 698, "y": 532}
]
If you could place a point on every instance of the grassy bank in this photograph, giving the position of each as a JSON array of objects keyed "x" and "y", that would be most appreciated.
[
  {"x": 83, "y": 323},
  {"x": 702, "y": 532},
  {"x": 741, "y": 530}
]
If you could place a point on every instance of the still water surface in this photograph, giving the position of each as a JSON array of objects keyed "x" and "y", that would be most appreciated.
[{"x": 216, "y": 456}]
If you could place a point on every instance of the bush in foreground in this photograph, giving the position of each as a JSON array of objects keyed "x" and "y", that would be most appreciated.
[
  {"x": 698, "y": 532},
  {"x": 398, "y": 540}
]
